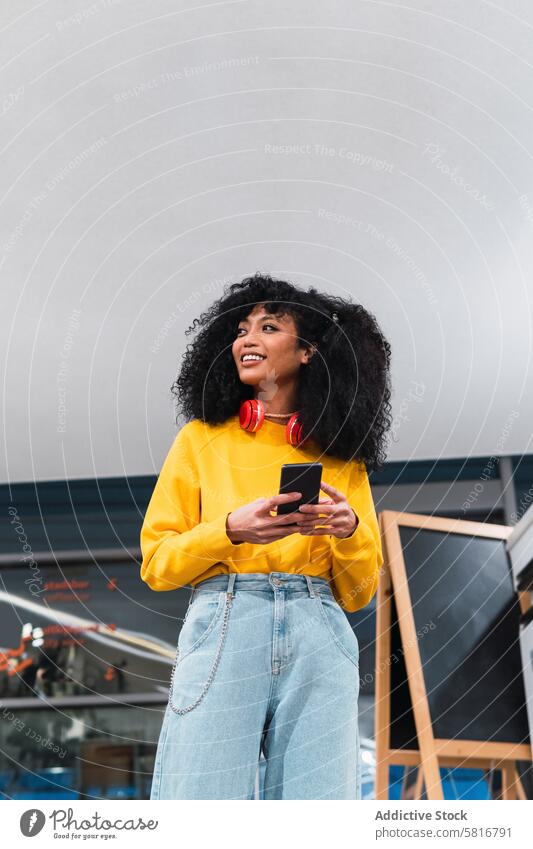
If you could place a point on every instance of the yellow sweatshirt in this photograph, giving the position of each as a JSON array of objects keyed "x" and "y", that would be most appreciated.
[{"x": 211, "y": 470}]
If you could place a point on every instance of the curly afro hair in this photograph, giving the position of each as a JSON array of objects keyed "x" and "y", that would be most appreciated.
[{"x": 343, "y": 392}]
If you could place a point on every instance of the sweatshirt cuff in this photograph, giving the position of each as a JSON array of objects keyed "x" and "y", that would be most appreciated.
[
  {"x": 215, "y": 540},
  {"x": 352, "y": 545}
]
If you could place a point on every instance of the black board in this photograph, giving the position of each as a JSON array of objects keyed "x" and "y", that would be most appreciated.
[{"x": 467, "y": 622}]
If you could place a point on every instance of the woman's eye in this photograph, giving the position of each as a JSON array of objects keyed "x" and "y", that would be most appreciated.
[{"x": 264, "y": 325}]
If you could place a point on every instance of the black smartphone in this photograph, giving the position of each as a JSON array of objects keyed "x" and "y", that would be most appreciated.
[{"x": 299, "y": 477}]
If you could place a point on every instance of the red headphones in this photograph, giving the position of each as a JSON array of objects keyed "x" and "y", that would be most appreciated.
[{"x": 252, "y": 415}]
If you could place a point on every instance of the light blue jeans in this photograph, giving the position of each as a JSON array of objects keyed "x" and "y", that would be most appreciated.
[{"x": 264, "y": 663}]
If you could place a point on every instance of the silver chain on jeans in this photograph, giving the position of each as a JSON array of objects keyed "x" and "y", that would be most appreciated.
[{"x": 227, "y": 608}]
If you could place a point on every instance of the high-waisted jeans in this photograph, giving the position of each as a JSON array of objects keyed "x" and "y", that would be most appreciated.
[{"x": 264, "y": 663}]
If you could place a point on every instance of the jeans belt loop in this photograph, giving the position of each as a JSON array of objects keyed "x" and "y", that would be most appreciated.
[
  {"x": 310, "y": 586},
  {"x": 231, "y": 582}
]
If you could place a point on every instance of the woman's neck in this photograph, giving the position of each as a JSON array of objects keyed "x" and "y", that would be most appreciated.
[{"x": 282, "y": 408}]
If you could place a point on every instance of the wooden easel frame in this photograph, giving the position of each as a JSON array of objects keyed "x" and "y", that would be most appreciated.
[{"x": 432, "y": 753}]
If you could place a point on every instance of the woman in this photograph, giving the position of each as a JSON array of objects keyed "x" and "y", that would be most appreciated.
[{"x": 266, "y": 659}]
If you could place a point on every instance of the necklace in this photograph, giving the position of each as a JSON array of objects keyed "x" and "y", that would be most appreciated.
[{"x": 278, "y": 415}]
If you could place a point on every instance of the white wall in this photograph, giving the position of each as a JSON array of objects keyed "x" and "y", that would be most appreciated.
[{"x": 136, "y": 177}]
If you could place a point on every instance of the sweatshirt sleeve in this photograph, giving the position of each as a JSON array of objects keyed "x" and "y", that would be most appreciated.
[
  {"x": 176, "y": 546},
  {"x": 357, "y": 559}
]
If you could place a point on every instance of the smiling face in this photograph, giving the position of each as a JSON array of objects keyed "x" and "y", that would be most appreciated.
[{"x": 274, "y": 341}]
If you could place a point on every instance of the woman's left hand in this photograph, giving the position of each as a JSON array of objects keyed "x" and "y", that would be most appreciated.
[{"x": 341, "y": 519}]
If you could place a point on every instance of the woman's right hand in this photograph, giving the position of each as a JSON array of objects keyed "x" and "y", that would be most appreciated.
[{"x": 253, "y": 523}]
